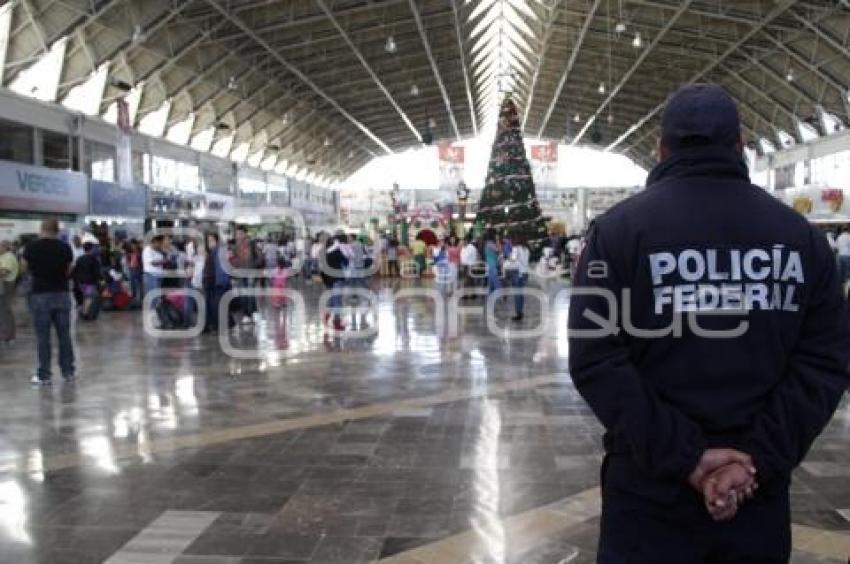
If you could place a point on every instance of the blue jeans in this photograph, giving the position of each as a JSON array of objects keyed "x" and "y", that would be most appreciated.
[
  {"x": 309, "y": 267},
  {"x": 136, "y": 284},
  {"x": 335, "y": 301},
  {"x": 213, "y": 297},
  {"x": 90, "y": 308},
  {"x": 493, "y": 282},
  {"x": 152, "y": 282},
  {"x": 53, "y": 310},
  {"x": 190, "y": 310},
  {"x": 519, "y": 281}
]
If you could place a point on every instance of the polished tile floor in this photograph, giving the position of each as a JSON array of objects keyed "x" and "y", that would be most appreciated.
[{"x": 401, "y": 445}]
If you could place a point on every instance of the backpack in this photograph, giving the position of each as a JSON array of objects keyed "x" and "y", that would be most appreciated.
[{"x": 169, "y": 316}]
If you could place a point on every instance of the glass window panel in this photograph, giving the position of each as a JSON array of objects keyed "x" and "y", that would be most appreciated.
[
  {"x": 188, "y": 177},
  {"x": 16, "y": 141},
  {"x": 139, "y": 166},
  {"x": 217, "y": 180},
  {"x": 75, "y": 154},
  {"x": 55, "y": 150},
  {"x": 100, "y": 161}
]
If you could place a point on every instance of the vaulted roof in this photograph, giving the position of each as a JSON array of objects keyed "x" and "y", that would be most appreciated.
[{"x": 327, "y": 85}]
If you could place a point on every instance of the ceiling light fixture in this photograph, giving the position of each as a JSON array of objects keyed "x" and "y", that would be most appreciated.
[
  {"x": 621, "y": 27},
  {"x": 790, "y": 76},
  {"x": 121, "y": 85},
  {"x": 231, "y": 83},
  {"x": 138, "y": 34},
  {"x": 432, "y": 123},
  {"x": 637, "y": 42},
  {"x": 577, "y": 118},
  {"x": 391, "y": 47},
  {"x": 414, "y": 90},
  {"x": 602, "y": 88}
]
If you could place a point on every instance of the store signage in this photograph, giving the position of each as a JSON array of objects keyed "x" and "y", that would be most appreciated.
[
  {"x": 279, "y": 198},
  {"x": 32, "y": 188},
  {"x": 450, "y": 161},
  {"x": 109, "y": 199},
  {"x": 544, "y": 165},
  {"x": 215, "y": 207},
  {"x": 819, "y": 203},
  {"x": 253, "y": 199},
  {"x": 172, "y": 204}
]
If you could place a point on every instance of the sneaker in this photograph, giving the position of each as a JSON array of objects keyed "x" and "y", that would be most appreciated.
[
  {"x": 36, "y": 381},
  {"x": 70, "y": 378}
]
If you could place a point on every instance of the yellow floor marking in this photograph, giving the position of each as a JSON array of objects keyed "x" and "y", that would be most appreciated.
[
  {"x": 526, "y": 530},
  {"x": 196, "y": 440}
]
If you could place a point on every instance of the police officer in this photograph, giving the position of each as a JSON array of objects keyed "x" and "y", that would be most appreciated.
[{"x": 708, "y": 335}]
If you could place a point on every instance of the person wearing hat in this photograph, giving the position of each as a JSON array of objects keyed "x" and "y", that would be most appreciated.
[{"x": 708, "y": 335}]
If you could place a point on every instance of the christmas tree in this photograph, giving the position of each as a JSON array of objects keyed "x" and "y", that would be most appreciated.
[{"x": 508, "y": 202}]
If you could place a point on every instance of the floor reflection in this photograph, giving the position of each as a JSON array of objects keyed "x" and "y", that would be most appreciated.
[{"x": 307, "y": 446}]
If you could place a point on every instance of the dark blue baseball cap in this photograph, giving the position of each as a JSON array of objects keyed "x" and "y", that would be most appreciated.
[{"x": 699, "y": 115}]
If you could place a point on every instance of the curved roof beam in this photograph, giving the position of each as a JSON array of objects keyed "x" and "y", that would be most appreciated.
[
  {"x": 772, "y": 15},
  {"x": 294, "y": 70},
  {"x": 384, "y": 90},
  {"x": 641, "y": 58},
  {"x": 820, "y": 32},
  {"x": 462, "y": 52},
  {"x": 293, "y": 23},
  {"x": 572, "y": 60},
  {"x": 754, "y": 88},
  {"x": 817, "y": 71},
  {"x": 427, "y": 46},
  {"x": 544, "y": 46},
  {"x": 120, "y": 50}
]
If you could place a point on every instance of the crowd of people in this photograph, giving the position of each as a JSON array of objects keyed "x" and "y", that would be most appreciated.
[
  {"x": 174, "y": 274},
  {"x": 108, "y": 274}
]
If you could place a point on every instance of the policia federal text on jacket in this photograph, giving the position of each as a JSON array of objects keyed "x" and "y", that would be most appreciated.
[{"x": 703, "y": 433}]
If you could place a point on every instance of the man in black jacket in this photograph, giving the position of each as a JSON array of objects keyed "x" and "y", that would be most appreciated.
[
  {"x": 88, "y": 277},
  {"x": 708, "y": 335},
  {"x": 333, "y": 274}
]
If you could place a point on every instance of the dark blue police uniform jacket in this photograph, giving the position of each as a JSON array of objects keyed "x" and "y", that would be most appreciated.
[{"x": 699, "y": 242}]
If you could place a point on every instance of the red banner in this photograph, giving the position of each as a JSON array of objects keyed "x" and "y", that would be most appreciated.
[
  {"x": 450, "y": 160},
  {"x": 544, "y": 165},
  {"x": 547, "y": 153}
]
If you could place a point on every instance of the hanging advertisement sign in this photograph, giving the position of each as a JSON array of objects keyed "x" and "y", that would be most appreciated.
[
  {"x": 544, "y": 166},
  {"x": 215, "y": 207},
  {"x": 817, "y": 203},
  {"x": 123, "y": 145},
  {"x": 450, "y": 161},
  {"x": 38, "y": 189},
  {"x": 278, "y": 189},
  {"x": 253, "y": 199},
  {"x": 110, "y": 199}
]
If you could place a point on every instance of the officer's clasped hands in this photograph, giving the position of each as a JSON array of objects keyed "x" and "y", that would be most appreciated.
[{"x": 725, "y": 478}]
